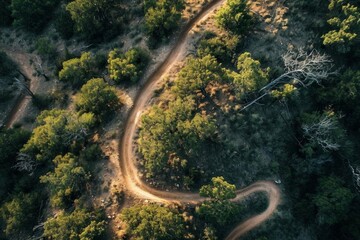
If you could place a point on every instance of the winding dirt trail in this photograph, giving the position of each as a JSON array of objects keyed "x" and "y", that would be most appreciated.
[{"x": 129, "y": 171}]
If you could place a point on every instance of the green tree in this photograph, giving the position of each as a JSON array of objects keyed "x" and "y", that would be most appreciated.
[
  {"x": 343, "y": 92},
  {"x": 97, "y": 97},
  {"x": 64, "y": 25},
  {"x": 127, "y": 67},
  {"x": 11, "y": 141},
  {"x": 33, "y": 15},
  {"x": 66, "y": 182},
  {"x": 162, "y": 17},
  {"x": 235, "y": 16},
  {"x": 196, "y": 76},
  {"x": 45, "y": 47},
  {"x": 346, "y": 24},
  {"x": 221, "y": 47},
  {"x": 7, "y": 66},
  {"x": 19, "y": 214},
  {"x": 332, "y": 200},
  {"x": 170, "y": 138},
  {"x": 250, "y": 75},
  {"x": 81, "y": 224},
  {"x": 153, "y": 222},
  {"x": 5, "y": 13},
  {"x": 56, "y": 131},
  {"x": 219, "y": 210},
  {"x": 77, "y": 71},
  {"x": 94, "y": 18},
  {"x": 219, "y": 189}
]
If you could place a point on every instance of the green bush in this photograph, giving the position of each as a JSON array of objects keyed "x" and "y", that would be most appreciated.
[
  {"x": 127, "y": 67},
  {"x": 162, "y": 17},
  {"x": 77, "y": 71},
  {"x": 97, "y": 97},
  {"x": 81, "y": 224},
  {"x": 153, "y": 222},
  {"x": 235, "y": 17},
  {"x": 32, "y": 15}
]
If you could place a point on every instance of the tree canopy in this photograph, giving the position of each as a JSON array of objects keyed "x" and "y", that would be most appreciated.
[
  {"x": 169, "y": 138},
  {"x": 218, "y": 210},
  {"x": 18, "y": 214},
  {"x": 127, "y": 67},
  {"x": 5, "y": 13},
  {"x": 332, "y": 199},
  {"x": 197, "y": 74},
  {"x": 56, "y": 131},
  {"x": 162, "y": 17},
  {"x": 235, "y": 16},
  {"x": 81, "y": 224},
  {"x": 33, "y": 15},
  {"x": 77, "y": 71},
  {"x": 346, "y": 24},
  {"x": 66, "y": 182},
  {"x": 97, "y": 97},
  {"x": 153, "y": 222},
  {"x": 96, "y": 18},
  {"x": 250, "y": 75},
  {"x": 11, "y": 141}
]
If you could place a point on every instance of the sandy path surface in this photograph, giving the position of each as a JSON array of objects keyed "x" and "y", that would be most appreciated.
[{"x": 134, "y": 183}]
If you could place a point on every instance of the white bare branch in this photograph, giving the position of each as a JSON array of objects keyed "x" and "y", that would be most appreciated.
[
  {"x": 24, "y": 162},
  {"x": 305, "y": 68},
  {"x": 320, "y": 132},
  {"x": 356, "y": 175},
  {"x": 302, "y": 68}
]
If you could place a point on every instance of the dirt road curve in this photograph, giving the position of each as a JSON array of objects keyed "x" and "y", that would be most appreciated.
[
  {"x": 22, "y": 59},
  {"x": 132, "y": 180}
]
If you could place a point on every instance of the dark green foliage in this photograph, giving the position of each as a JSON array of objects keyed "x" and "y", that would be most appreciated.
[
  {"x": 11, "y": 141},
  {"x": 81, "y": 224},
  {"x": 250, "y": 75},
  {"x": 97, "y": 97},
  {"x": 19, "y": 215},
  {"x": 153, "y": 222},
  {"x": 96, "y": 19},
  {"x": 170, "y": 139},
  {"x": 32, "y": 15},
  {"x": 235, "y": 17},
  {"x": 219, "y": 210},
  {"x": 64, "y": 24},
  {"x": 45, "y": 48},
  {"x": 66, "y": 182},
  {"x": 7, "y": 66},
  {"x": 77, "y": 71},
  {"x": 5, "y": 13},
  {"x": 221, "y": 47},
  {"x": 56, "y": 131},
  {"x": 332, "y": 200},
  {"x": 343, "y": 92},
  {"x": 162, "y": 17},
  {"x": 196, "y": 75},
  {"x": 127, "y": 67}
]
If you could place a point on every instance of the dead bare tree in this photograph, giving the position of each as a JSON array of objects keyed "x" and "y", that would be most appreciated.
[
  {"x": 302, "y": 69},
  {"x": 356, "y": 175},
  {"x": 320, "y": 132},
  {"x": 23, "y": 87},
  {"x": 24, "y": 162}
]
